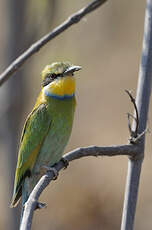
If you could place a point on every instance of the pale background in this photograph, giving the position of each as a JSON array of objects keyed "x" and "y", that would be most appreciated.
[{"x": 107, "y": 44}]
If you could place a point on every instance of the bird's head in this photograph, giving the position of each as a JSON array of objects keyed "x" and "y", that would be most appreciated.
[{"x": 58, "y": 79}]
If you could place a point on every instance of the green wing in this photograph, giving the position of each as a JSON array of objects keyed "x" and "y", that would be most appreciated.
[{"x": 34, "y": 132}]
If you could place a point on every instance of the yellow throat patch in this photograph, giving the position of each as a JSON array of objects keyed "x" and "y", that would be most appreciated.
[{"x": 61, "y": 87}]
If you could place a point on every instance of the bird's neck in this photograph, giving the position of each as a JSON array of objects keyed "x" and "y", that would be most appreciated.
[{"x": 62, "y": 88}]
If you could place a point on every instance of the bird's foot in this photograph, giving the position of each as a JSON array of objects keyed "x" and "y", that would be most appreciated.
[
  {"x": 65, "y": 162},
  {"x": 51, "y": 169}
]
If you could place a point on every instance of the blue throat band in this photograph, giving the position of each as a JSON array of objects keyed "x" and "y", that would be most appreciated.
[{"x": 57, "y": 96}]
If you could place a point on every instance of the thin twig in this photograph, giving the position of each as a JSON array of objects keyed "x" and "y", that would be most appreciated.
[
  {"x": 133, "y": 133},
  {"x": 142, "y": 101},
  {"x": 31, "y": 204},
  {"x": 74, "y": 18},
  {"x": 129, "y": 123}
]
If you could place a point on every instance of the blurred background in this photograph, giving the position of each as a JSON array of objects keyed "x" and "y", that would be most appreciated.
[{"x": 107, "y": 44}]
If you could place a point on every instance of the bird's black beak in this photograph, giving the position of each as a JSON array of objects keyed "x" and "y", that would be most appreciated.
[{"x": 72, "y": 69}]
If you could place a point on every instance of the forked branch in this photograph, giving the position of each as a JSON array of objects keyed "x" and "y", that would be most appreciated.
[
  {"x": 139, "y": 123},
  {"x": 142, "y": 103},
  {"x": 132, "y": 150},
  {"x": 32, "y": 203}
]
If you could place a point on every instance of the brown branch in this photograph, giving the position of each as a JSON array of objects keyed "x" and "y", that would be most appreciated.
[
  {"x": 74, "y": 18},
  {"x": 32, "y": 203}
]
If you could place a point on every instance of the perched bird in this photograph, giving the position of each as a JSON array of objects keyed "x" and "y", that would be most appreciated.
[{"x": 47, "y": 128}]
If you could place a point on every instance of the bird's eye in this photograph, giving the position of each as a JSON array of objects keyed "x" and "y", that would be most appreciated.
[
  {"x": 53, "y": 76},
  {"x": 49, "y": 78}
]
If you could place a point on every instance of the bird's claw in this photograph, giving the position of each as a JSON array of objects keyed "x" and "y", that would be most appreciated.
[
  {"x": 65, "y": 162},
  {"x": 52, "y": 169}
]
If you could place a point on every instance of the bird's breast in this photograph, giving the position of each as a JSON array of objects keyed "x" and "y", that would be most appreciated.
[{"x": 61, "y": 115}]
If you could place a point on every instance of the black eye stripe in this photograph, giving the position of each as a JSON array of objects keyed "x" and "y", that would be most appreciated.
[
  {"x": 52, "y": 76},
  {"x": 49, "y": 78}
]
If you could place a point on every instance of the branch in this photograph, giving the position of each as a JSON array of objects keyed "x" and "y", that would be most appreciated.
[
  {"x": 32, "y": 202},
  {"x": 73, "y": 19},
  {"x": 142, "y": 102}
]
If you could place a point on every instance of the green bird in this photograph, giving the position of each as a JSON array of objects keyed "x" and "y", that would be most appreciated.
[{"x": 47, "y": 128}]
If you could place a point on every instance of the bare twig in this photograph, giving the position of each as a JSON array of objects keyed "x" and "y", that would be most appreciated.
[
  {"x": 31, "y": 204},
  {"x": 129, "y": 123},
  {"x": 74, "y": 18},
  {"x": 142, "y": 101},
  {"x": 133, "y": 133}
]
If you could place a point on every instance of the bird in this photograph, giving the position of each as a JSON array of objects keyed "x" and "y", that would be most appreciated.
[{"x": 47, "y": 128}]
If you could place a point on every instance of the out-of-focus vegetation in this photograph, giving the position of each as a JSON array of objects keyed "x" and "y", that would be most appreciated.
[{"x": 107, "y": 44}]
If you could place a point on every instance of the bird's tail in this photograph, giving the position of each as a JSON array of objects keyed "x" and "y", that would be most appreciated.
[
  {"x": 25, "y": 196},
  {"x": 16, "y": 197}
]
